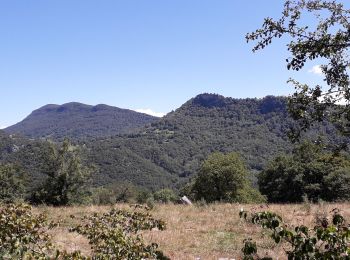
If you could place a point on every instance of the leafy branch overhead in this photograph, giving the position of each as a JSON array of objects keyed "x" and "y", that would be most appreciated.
[{"x": 327, "y": 39}]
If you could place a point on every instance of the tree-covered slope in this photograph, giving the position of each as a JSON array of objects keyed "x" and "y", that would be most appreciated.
[
  {"x": 25, "y": 153},
  {"x": 180, "y": 141},
  {"x": 79, "y": 121},
  {"x": 166, "y": 152},
  {"x": 110, "y": 166}
]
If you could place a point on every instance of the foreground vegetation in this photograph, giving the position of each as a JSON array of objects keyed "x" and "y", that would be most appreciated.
[
  {"x": 206, "y": 231},
  {"x": 111, "y": 235}
]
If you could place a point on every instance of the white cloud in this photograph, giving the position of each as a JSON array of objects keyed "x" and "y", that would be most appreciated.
[
  {"x": 316, "y": 70},
  {"x": 150, "y": 112},
  {"x": 2, "y": 127}
]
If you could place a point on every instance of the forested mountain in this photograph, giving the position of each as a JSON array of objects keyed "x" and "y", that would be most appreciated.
[
  {"x": 166, "y": 152},
  {"x": 180, "y": 141},
  {"x": 79, "y": 121}
]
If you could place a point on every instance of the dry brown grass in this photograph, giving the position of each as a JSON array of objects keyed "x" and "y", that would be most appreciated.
[{"x": 205, "y": 232}]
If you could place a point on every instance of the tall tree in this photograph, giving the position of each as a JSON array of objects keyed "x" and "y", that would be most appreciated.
[
  {"x": 327, "y": 39},
  {"x": 11, "y": 183},
  {"x": 310, "y": 172},
  {"x": 224, "y": 177},
  {"x": 67, "y": 177}
]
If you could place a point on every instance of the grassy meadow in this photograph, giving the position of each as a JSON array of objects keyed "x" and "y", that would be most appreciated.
[{"x": 198, "y": 232}]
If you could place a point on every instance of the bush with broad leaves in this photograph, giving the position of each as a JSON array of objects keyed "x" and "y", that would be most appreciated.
[{"x": 324, "y": 241}]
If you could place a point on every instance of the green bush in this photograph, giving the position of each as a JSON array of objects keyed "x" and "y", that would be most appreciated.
[
  {"x": 23, "y": 234},
  {"x": 116, "y": 234},
  {"x": 102, "y": 196},
  {"x": 165, "y": 196},
  {"x": 325, "y": 241},
  {"x": 113, "y": 235},
  {"x": 143, "y": 196},
  {"x": 224, "y": 177},
  {"x": 150, "y": 202},
  {"x": 124, "y": 192}
]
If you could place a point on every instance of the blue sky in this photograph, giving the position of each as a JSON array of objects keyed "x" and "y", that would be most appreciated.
[{"x": 136, "y": 54}]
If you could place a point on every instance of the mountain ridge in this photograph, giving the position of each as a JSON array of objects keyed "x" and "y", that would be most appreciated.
[
  {"x": 77, "y": 120},
  {"x": 169, "y": 150}
]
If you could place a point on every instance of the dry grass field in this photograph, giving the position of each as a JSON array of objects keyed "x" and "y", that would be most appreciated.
[{"x": 199, "y": 232}]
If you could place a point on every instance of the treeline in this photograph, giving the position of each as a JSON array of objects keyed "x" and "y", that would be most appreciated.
[
  {"x": 66, "y": 179},
  {"x": 309, "y": 173}
]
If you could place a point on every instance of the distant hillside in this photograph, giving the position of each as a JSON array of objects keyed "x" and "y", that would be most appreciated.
[
  {"x": 168, "y": 151},
  {"x": 179, "y": 142},
  {"x": 26, "y": 153},
  {"x": 79, "y": 121}
]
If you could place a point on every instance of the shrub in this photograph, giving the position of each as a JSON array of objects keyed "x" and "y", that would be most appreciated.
[
  {"x": 150, "y": 202},
  {"x": 22, "y": 234},
  {"x": 102, "y": 196},
  {"x": 224, "y": 177},
  {"x": 123, "y": 191},
  {"x": 143, "y": 196},
  {"x": 115, "y": 235},
  {"x": 165, "y": 196},
  {"x": 324, "y": 241}
]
